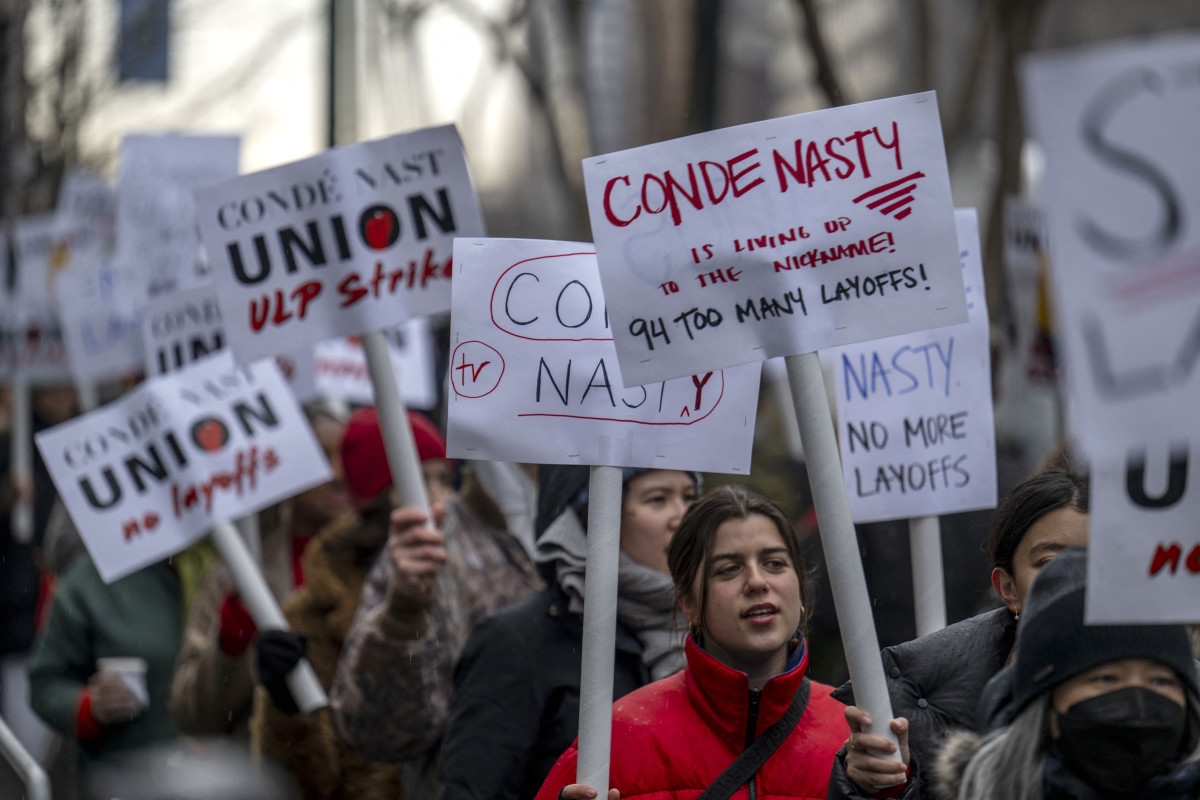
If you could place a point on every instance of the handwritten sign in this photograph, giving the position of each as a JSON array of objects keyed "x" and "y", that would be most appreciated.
[
  {"x": 352, "y": 240},
  {"x": 534, "y": 377},
  {"x": 156, "y": 207},
  {"x": 145, "y": 476},
  {"x": 1122, "y": 196},
  {"x": 1144, "y": 548},
  {"x": 776, "y": 238},
  {"x": 915, "y": 426}
]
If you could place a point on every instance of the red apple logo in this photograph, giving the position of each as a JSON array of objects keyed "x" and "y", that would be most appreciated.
[
  {"x": 210, "y": 434},
  {"x": 380, "y": 227}
]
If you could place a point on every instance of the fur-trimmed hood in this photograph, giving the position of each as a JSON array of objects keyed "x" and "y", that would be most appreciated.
[{"x": 951, "y": 764}]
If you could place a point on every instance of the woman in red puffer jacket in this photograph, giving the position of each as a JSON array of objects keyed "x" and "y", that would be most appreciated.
[{"x": 739, "y": 578}]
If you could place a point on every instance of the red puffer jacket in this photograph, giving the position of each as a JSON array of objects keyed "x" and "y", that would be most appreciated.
[{"x": 671, "y": 739}]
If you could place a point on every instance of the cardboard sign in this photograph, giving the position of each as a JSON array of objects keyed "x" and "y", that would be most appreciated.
[
  {"x": 1122, "y": 197},
  {"x": 1144, "y": 549},
  {"x": 915, "y": 426},
  {"x": 156, "y": 209},
  {"x": 534, "y": 377},
  {"x": 340, "y": 366},
  {"x": 776, "y": 238},
  {"x": 147, "y": 475},
  {"x": 352, "y": 240}
]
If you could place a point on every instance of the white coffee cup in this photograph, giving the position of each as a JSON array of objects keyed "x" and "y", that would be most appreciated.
[{"x": 132, "y": 672}]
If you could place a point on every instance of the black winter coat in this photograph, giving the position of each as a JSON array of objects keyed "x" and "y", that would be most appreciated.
[
  {"x": 515, "y": 707},
  {"x": 936, "y": 681}
]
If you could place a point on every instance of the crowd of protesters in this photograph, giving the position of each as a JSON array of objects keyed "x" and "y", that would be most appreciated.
[{"x": 449, "y": 643}]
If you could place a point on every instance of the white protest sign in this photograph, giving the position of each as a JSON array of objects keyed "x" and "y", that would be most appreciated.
[
  {"x": 181, "y": 328},
  {"x": 103, "y": 339},
  {"x": 1027, "y": 264},
  {"x": 1118, "y": 126},
  {"x": 97, "y": 303},
  {"x": 157, "y": 238},
  {"x": 145, "y": 476},
  {"x": 32, "y": 337},
  {"x": 340, "y": 366},
  {"x": 352, "y": 240},
  {"x": 915, "y": 426},
  {"x": 534, "y": 377},
  {"x": 1144, "y": 547},
  {"x": 779, "y": 237}
]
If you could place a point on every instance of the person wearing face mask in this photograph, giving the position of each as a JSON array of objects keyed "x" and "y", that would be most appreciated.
[
  {"x": 1102, "y": 712},
  {"x": 515, "y": 706},
  {"x": 938, "y": 683},
  {"x": 743, "y": 718}
]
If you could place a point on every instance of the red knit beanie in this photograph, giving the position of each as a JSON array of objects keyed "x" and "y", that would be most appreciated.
[{"x": 364, "y": 460}]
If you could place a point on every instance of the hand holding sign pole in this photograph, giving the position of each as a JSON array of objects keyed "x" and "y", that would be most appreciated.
[
  {"x": 780, "y": 238},
  {"x": 840, "y": 543},
  {"x": 256, "y": 595}
]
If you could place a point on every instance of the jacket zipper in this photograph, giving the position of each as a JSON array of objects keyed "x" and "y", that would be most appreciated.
[{"x": 751, "y": 724}]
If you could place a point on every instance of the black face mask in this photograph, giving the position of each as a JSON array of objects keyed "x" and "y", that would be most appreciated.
[{"x": 1119, "y": 740}]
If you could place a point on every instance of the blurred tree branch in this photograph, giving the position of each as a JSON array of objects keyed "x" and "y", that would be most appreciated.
[{"x": 827, "y": 76}]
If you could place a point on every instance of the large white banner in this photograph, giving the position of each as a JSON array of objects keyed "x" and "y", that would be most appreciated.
[
  {"x": 915, "y": 425},
  {"x": 157, "y": 241},
  {"x": 1122, "y": 197},
  {"x": 145, "y": 476},
  {"x": 534, "y": 376},
  {"x": 776, "y": 238},
  {"x": 355, "y": 239}
]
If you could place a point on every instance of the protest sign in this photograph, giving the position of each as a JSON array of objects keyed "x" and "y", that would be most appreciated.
[
  {"x": 97, "y": 304},
  {"x": 340, "y": 366},
  {"x": 1117, "y": 123},
  {"x": 1027, "y": 264},
  {"x": 145, "y": 476},
  {"x": 1144, "y": 550},
  {"x": 779, "y": 237},
  {"x": 355, "y": 239},
  {"x": 915, "y": 425},
  {"x": 534, "y": 377},
  {"x": 181, "y": 328},
  {"x": 32, "y": 339},
  {"x": 157, "y": 240}
]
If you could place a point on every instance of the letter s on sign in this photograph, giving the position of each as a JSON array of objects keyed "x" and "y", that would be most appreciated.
[
  {"x": 1095, "y": 118},
  {"x": 608, "y": 212}
]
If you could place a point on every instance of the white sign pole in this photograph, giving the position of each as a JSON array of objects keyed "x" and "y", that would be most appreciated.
[
  {"x": 302, "y": 682},
  {"x": 929, "y": 590},
  {"x": 247, "y": 527},
  {"x": 599, "y": 627},
  {"x": 89, "y": 398},
  {"x": 840, "y": 543},
  {"x": 393, "y": 424},
  {"x": 22, "y": 461}
]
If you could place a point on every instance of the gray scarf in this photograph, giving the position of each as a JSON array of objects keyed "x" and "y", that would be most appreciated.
[{"x": 645, "y": 597}]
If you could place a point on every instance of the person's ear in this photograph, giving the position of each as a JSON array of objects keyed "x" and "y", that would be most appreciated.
[
  {"x": 1006, "y": 586},
  {"x": 687, "y": 605}
]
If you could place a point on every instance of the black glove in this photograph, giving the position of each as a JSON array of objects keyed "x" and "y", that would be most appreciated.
[{"x": 277, "y": 653}]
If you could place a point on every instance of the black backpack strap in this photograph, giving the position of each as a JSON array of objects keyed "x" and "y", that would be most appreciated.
[{"x": 753, "y": 757}]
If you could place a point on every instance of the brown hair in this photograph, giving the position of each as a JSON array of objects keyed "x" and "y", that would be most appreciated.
[{"x": 691, "y": 546}]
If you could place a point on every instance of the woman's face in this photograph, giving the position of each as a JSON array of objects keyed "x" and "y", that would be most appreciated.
[
  {"x": 753, "y": 608},
  {"x": 1127, "y": 673},
  {"x": 654, "y": 504},
  {"x": 1052, "y": 533}
]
